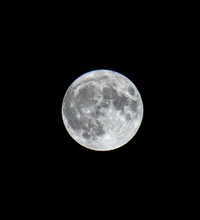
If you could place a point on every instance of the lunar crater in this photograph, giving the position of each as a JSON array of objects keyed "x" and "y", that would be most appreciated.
[{"x": 131, "y": 91}]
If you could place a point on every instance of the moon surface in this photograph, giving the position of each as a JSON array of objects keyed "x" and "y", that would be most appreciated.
[{"x": 102, "y": 110}]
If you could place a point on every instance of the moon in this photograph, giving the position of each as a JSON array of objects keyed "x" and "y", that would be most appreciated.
[{"x": 102, "y": 110}]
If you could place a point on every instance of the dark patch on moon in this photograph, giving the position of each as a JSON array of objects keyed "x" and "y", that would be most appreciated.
[
  {"x": 86, "y": 135},
  {"x": 131, "y": 91},
  {"x": 120, "y": 102},
  {"x": 95, "y": 128},
  {"x": 104, "y": 104},
  {"x": 99, "y": 131},
  {"x": 90, "y": 125},
  {"x": 70, "y": 114},
  {"x": 128, "y": 117},
  {"x": 109, "y": 93},
  {"x": 133, "y": 105},
  {"x": 68, "y": 98},
  {"x": 86, "y": 95},
  {"x": 97, "y": 112}
]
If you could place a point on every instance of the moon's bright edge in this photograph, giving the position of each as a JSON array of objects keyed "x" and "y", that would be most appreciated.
[{"x": 102, "y": 110}]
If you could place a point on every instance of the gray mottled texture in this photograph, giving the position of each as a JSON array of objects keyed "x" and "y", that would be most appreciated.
[
  {"x": 109, "y": 93},
  {"x": 98, "y": 130},
  {"x": 86, "y": 95},
  {"x": 97, "y": 111},
  {"x": 94, "y": 110},
  {"x": 120, "y": 102},
  {"x": 128, "y": 117},
  {"x": 85, "y": 98},
  {"x": 70, "y": 115},
  {"x": 86, "y": 135},
  {"x": 70, "y": 112},
  {"x": 133, "y": 105},
  {"x": 131, "y": 91},
  {"x": 104, "y": 104}
]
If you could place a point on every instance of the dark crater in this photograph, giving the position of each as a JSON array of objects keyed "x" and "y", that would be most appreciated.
[{"x": 131, "y": 91}]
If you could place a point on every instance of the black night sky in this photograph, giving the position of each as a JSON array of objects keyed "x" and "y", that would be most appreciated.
[
  {"x": 58, "y": 58},
  {"x": 47, "y": 47}
]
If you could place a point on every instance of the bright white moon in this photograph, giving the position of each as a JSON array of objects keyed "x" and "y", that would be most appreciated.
[{"x": 102, "y": 110}]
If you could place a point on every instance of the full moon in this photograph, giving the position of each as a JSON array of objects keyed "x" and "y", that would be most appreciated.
[{"x": 102, "y": 110}]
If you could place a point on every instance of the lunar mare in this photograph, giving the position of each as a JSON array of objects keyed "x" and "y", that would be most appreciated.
[{"x": 102, "y": 110}]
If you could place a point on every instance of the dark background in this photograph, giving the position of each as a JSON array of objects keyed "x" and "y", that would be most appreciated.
[
  {"x": 49, "y": 49},
  {"x": 45, "y": 48},
  {"x": 52, "y": 55},
  {"x": 60, "y": 71}
]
